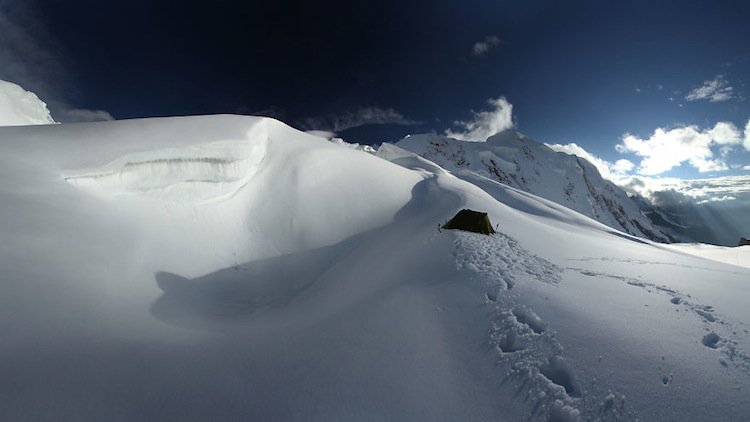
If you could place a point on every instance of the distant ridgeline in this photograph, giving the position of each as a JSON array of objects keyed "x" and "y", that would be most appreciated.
[{"x": 515, "y": 160}]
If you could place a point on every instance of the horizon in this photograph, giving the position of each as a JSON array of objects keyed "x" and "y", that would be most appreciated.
[{"x": 652, "y": 92}]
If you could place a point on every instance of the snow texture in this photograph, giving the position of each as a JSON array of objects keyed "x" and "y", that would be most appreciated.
[
  {"x": 19, "y": 107},
  {"x": 231, "y": 267},
  {"x": 511, "y": 158}
]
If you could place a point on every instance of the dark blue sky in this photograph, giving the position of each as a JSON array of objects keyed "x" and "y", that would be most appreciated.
[{"x": 583, "y": 72}]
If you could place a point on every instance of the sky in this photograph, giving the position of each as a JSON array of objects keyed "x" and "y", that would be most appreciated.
[{"x": 652, "y": 89}]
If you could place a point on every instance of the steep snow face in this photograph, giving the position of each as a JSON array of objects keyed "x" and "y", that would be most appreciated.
[
  {"x": 200, "y": 173},
  {"x": 248, "y": 187},
  {"x": 19, "y": 107},
  {"x": 511, "y": 158}
]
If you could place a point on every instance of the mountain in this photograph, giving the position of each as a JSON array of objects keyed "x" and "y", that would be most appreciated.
[
  {"x": 515, "y": 160},
  {"x": 235, "y": 268}
]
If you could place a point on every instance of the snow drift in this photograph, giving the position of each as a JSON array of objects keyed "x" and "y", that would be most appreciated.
[
  {"x": 19, "y": 107},
  {"x": 231, "y": 267}
]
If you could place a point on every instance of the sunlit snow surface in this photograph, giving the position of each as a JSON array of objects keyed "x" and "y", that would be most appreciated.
[
  {"x": 19, "y": 107},
  {"x": 226, "y": 267}
]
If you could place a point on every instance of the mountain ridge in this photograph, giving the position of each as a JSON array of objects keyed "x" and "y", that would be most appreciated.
[{"x": 511, "y": 158}]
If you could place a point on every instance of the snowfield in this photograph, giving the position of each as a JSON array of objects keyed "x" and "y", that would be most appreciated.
[{"x": 228, "y": 267}]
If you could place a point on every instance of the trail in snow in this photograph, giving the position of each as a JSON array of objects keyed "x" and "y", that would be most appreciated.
[
  {"x": 286, "y": 278},
  {"x": 721, "y": 333},
  {"x": 525, "y": 344}
]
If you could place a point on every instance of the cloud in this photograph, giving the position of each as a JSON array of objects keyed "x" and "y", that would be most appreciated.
[
  {"x": 707, "y": 210},
  {"x": 483, "y": 47},
  {"x": 746, "y": 141},
  {"x": 715, "y": 90},
  {"x": 485, "y": 123},
  {"x": 697, "y": 190},
  {"x": 747, "y": 167},
  {"x": 31, "y": 58},
  {"x": 82, "y": 115},
  {"x": 666, "y": 149},
  {"x": 356, "y": 118},
  {"x": 611, "y": 171},
  {"x": 321, "y": 134}
]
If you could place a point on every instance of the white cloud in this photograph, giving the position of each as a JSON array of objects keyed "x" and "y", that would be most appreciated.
[
  {"x": 355, "y": 118},
  {"x": 747, "y": 167},
  {"x": 79, "y": 115},
  {"x": 714, "y": 90},
  {"x": 622, "y": 166},
  {"x": 611, "y": 171},
  {"x": 485, "y": 123},
  {"x": 488, "y": 43},
  {"x": 666, "y": 149},
  {"x": 746, "y": 141},
  {"x": 697, "y": 190}
]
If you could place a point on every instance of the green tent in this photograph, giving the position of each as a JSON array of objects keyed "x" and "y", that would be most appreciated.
[{"x": 472, "y": 221}]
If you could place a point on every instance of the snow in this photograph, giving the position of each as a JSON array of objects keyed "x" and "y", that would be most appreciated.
[
  {"x": 230, "y": 267},
  {"x": 19, "y": 107},
  {"x": 511, "y": 158},
  {"x": 738, "y": 255}
]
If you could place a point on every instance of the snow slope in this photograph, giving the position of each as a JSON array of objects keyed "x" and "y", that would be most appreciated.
[
  {"x": 19, "y": 107},
  {"x": 511, "y": 158},
  {"x": 231, "y": 267}
]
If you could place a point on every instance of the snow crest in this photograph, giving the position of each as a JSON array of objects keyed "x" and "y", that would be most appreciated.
[
  {"x": 19, "y": 107},
  {"x": 196, "y": 174}
]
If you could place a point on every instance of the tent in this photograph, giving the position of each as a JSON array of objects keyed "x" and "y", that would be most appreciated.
[{"x": 472, "y": 221}]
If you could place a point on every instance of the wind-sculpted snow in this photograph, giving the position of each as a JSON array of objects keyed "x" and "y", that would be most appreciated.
[
  {"x": 234, "y": 268},
  {"x": 19, "y": 107},
  {"x": 209, "y": 172}
]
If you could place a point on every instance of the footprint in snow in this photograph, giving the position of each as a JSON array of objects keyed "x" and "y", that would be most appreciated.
[
  {"x": 527, "y": 317},
  {"x": 711, "y": 340}
]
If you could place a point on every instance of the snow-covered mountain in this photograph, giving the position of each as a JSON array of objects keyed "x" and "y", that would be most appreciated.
[
  {"x": 234, "y": 268},
  {"x": 515, "y": 160}
]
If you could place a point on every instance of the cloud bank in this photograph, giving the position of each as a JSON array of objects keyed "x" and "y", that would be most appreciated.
[
  {"x": 613, "y": 171},
  {"x": 485, "y": 123},
  {"x": 667, "y": 149},
  {"x": 355, "y": 118}
]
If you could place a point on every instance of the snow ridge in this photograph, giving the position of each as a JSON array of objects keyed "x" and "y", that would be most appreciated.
[
  {"x": 201, "y": 174},
  {"x": 19, "y": 107},
  {"x": 515, "y": 160}
]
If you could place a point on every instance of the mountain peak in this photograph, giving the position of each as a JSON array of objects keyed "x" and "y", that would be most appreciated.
[
  {"x": 507, "y": 137},
  {"x": 511, "y": 158}
]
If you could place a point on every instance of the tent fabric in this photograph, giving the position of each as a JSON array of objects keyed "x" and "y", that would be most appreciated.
[{"x": 472, "y": 221}]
